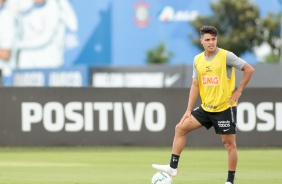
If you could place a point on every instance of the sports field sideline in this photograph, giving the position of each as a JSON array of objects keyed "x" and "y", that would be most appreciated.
[{"x": 128, "y": 165}]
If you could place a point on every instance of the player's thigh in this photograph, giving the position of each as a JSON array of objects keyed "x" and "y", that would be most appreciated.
[{"x": 188, "y": 125}]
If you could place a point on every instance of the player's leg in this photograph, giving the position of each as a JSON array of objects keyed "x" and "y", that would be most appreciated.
[
  {"x": 179, "y": 142},
  {"x": 229, "y": 142},
  {"x": 181, "y": 130},
  {"x": 224, "y": 124}
]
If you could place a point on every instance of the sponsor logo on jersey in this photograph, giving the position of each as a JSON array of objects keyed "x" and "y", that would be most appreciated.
[
  {"x": 210, "y": 80},
  {"x": 208, "y": 69},
  {"x": 210, "y": 106},
  {"x": 224, "y": 124}
]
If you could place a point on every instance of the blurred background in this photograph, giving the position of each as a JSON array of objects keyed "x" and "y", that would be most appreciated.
[
  {"x": 38, "y": 36},
  {"x": 61, "y": 59},
  {"x": 105, "y": 82}
]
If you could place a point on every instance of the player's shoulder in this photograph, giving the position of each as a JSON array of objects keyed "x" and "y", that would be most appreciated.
[
  {"x": 199, "y": 55},
  {"x": 224, "y": 51},
  {"x": 198, "y": 58}
]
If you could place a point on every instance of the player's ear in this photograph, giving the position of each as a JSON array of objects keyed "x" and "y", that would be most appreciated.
[{"x": 201, "y": 41}]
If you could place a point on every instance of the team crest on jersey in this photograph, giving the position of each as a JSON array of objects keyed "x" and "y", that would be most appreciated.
[
  {"x": 210, "y": 80},
  {"x": 142, "y": 16}
]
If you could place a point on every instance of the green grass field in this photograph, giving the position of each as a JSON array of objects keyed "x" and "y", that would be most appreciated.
[{"x": 132, "y": 165}]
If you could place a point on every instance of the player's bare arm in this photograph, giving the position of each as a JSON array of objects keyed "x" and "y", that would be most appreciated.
[
  {"x": 194, "y": 92},
  {"x": 248, "y": 72}
]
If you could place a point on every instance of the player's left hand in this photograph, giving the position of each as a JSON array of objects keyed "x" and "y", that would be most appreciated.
[{"x": 235, "y": 97}]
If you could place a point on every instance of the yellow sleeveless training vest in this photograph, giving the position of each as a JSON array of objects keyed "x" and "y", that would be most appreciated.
[{"x": 214, "y": 85}]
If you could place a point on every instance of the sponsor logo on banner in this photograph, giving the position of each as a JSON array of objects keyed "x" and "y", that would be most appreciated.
[
  {"x": 66, "y": 78},
  {"x": 134, "y": 79},
  {"x": 168, "y": 14},
  {"x": 265, "y": 117},
  {"x": 134, "y": 117},
  {"x": 79, "y": 116},
  {"x": 29, "y": 78},
  {"x": 171, "y": 79},
  {"x": 142, "y": 16}
]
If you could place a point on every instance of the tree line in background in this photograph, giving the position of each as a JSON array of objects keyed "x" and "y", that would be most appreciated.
[{"x": 240, "y": 29}]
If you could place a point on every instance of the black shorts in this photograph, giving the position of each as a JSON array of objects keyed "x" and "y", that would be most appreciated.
[{"x": 223, "y": 122}]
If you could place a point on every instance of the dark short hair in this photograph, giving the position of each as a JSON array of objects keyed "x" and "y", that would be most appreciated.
[{"x": 208, "y": 30}]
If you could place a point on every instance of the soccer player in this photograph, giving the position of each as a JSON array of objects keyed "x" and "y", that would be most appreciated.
[{"x": 214, "y": 79}]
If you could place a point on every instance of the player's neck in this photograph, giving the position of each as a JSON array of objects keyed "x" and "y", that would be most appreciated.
[{"x": 209, "y": 54}]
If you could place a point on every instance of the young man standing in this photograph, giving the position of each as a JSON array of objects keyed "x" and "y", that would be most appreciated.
[{"x": 214, "y": 80}]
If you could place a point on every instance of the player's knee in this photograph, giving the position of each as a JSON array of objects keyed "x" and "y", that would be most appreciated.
[
  {"x": 229, "y": 145},
  {"x": 180, "y": 129}
]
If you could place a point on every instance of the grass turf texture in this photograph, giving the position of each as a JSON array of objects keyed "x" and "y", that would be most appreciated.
[{"x": 127, "y": 165}]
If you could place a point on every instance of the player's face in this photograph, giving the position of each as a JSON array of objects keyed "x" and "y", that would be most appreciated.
[{"x": 209, "y": 42}]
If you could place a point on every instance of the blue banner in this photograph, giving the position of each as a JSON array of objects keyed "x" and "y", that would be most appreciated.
[
  {"x": 119, "y": 33},
  {"x": 66, "y": 33}
]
